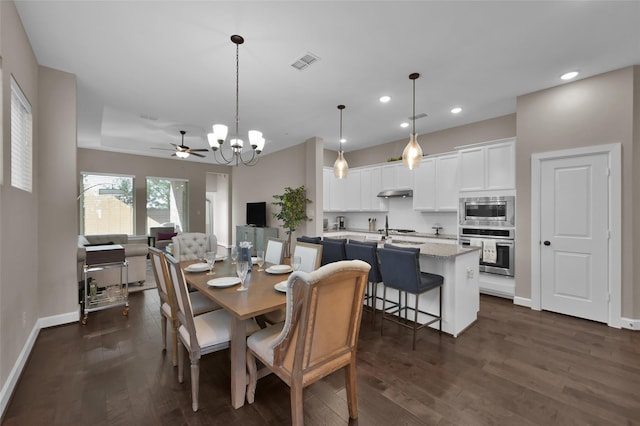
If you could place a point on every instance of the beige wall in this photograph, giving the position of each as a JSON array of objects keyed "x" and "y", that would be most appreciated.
[
  {"x": 270, "y": 176},
  {"x": 19, "y": 217},
  {"x": 593, "y": 111},
  {"x": 635, "y": 181},
  {"x": 57, "y": 220},
  {"x": 432, "y": 143},
  {"x": 142, "y": 167}
]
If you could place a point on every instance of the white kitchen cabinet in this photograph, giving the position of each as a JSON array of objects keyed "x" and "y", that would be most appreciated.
[
  {"x": 352, "y": 191},
  {"x": 436, "y": 187},
  {"x": 489, "y": 166},
  {"x": 370, "y": 187},
  {"x": 397, "y": 176},
  {"x": 337, "y": 193},
  {"x": 327, "y": 174}
]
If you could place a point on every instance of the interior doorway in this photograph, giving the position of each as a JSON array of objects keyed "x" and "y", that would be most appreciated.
[
  {"x": 576, "y": 233},
  {"x": 217, "y": 207}
]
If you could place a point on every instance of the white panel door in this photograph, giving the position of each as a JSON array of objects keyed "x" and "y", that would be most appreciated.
[{"x": 575, "y": 236}]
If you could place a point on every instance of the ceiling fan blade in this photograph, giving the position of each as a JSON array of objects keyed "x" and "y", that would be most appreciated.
[
  {"x": 199, "y": 150},
  {"x": 197, "y": 155},
  {"x": 170, "y": 143}
]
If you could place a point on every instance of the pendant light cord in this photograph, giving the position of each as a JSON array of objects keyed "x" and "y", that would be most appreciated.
[
  {"x": 238, "y": 87},
  {"x": 340, "y": 140}
]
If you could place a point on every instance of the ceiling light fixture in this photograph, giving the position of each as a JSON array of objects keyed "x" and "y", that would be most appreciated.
[
  {"x": 385, "y": 99},
  {"x": 456, "y": 110},
  {"x": 412, "y": 152},
  {"x": 217, "y": 138},
  {"x": 340, "y": 167},
  {"x": 569, "y": 75},
  {"x": 404, "y": 125}
]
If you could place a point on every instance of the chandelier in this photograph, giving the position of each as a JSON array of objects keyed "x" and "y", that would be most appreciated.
[
  {"x": 217, "y": 138},
  {"x": 340, "y": 167},
  {"x": 412, "y": 152}
]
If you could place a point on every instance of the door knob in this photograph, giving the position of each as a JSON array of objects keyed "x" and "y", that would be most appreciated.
[{"x": 547, "y": 243}]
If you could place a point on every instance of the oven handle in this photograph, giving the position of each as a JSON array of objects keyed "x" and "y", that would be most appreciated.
[{"x": 467, "y": 239}]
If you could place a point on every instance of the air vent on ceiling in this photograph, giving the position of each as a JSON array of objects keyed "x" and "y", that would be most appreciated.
[
  {"x": 304, "y": 61},
  {"x": 417, "y": 116}
]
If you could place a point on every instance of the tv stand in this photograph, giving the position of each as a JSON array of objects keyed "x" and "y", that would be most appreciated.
[{"x": 258, "y": 236}]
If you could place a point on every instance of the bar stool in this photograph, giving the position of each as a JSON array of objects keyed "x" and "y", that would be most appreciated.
[
  {"x": 368, "y": 252},
  {"x": 333, "y": 250},
  {"x": 400, "y": 270}
]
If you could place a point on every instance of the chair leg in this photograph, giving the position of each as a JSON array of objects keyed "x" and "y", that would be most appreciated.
[
  {"x": 195, "y": 383},
  {"x": 174, "y": 342},
  {"x": 164, "y": 331},
  {"x": 253, "y": 377},
  {"x": 384, "y": 305},
  {"x": 374, "y": 302},
  {"x": 440, "y": 291},
  {"x": 415, "y": 321},
  {"x": 297, "y": 415},
  {"x": 352, "y": 390},
  {"x": 180, "y": 363}
]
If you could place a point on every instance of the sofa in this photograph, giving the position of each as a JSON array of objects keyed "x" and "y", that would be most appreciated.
[{"x": 135, "y": 254}]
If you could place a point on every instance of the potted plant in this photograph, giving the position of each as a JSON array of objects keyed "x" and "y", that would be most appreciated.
[{"x": 293, "y": 211}]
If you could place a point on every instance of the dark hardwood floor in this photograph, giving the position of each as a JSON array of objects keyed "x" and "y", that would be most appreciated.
[{"x": 514, "y": 366}]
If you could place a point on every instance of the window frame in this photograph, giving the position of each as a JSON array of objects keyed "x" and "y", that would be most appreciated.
[{"x": 21, "y": 147}]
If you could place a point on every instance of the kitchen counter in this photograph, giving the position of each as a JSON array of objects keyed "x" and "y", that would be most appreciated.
[{"x": 334, "y": 232}]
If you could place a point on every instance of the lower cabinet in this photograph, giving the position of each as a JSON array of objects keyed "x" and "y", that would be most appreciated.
[{"x": 257, "y": 236}]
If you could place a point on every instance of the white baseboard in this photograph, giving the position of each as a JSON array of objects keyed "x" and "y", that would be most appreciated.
[
  {"x": 59, "y": 319},
  {"x": 522, "y": 301},
  {"x": 16, "y": 371},
  {"x": 630, "y": 324}
]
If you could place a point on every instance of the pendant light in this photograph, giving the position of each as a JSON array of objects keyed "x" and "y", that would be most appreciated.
[
  {"x": 412, "y": 152},
  {"x": 340, "y": 167}
]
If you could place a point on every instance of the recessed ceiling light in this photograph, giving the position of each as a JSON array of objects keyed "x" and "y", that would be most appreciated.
[
  {"x": 385, "y": 99},
  {"x": 569, "y": 75},
  {"x": 456, "y": 110},
  {"x": 403, "y": 125},
  {"x": 343, "y": 140}
]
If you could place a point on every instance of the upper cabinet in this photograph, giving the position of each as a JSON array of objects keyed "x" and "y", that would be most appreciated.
[
  {"x": 397, "y": 176},
  {"x": 489, "y": 166},
  {"x": 357, "y": 192},
  {"x": 436, "y": 187}
]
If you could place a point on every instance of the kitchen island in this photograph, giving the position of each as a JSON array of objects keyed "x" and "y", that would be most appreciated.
[{"x": 461, "y": 294}]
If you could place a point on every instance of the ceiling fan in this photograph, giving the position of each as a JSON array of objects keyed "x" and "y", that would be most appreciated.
[{"x": 183, "y": 151}]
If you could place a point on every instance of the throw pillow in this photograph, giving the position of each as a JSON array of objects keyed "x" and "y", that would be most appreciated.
[
  {"x": 110, "y": 243},
  {"x": 166, "y": 236}
]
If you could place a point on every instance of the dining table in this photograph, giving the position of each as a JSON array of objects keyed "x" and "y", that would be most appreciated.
[{"x": 260, "y": 298}]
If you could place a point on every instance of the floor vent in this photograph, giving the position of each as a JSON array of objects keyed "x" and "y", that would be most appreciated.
[{"x": 304, "y": 61}]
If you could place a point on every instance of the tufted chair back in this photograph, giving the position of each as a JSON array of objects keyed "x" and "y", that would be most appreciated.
[{"x": 191, "y": 246}]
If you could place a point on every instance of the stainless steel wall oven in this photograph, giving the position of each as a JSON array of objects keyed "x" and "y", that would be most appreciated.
[{"x": 502, "y": 239}]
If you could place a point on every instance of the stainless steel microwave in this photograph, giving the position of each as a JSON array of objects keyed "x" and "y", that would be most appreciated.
[{"x": 487, "y": 211}]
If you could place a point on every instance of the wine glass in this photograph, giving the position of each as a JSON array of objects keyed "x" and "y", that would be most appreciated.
[
  {"x": 260, "y": 259},
  {"x": 241, "y": 268},
  {"x": 296, "y": 261},
  {"x": 210, "y": 257},
  {"x": 234, "y": 254}
]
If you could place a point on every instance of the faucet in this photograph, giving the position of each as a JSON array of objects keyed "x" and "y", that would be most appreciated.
[
  {"x": 386, "y": 226},
  {"x": 437, "y": 227}
]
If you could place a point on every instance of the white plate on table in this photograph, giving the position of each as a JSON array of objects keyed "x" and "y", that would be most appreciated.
[
  {"x": 281, "y": 286},
  {"x": 223, "y": 282},
  {"x": 279, "y": 269},
  {"x": 197, "y": 267}
]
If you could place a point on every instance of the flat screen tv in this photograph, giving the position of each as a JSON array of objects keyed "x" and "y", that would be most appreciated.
[{"x": 257, "y": 214}]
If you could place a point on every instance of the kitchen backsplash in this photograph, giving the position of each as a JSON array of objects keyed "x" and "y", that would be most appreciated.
[{"x": 401, "y": 216}]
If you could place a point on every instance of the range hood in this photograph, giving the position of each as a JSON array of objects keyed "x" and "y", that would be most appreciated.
[{"x": 396, "y": 193}]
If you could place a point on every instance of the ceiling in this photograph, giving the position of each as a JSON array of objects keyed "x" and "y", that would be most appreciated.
[{"x": 147, "y": 69}]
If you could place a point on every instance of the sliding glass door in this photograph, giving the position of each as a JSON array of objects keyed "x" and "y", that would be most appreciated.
[{"x": 168, "y": 203}]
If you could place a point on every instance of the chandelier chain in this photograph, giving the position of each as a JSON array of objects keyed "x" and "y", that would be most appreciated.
[{"x": 238, "y": 88}]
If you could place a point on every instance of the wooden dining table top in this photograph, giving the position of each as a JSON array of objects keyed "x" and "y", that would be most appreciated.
[{"x": 260, "y": 298}]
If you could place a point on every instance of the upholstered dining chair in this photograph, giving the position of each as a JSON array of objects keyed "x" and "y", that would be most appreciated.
[
  {"x": 312, "y": 240},
  {"x": 275, "y": 250},
  {"x": 319, "y": 335},
  {"x": 200, "y": 335},
  {"x": 368, "y": 252},
  {"x": 333, "y": 250},
  {"x": 193, "y": 245},
  {"x": 400, "y": 270},
  {"x": 168, "y": 303},
  {"x": 310, "y": 255}
]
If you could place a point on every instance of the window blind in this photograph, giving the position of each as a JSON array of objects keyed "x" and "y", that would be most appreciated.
[{"x": 21, "y": 140}]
